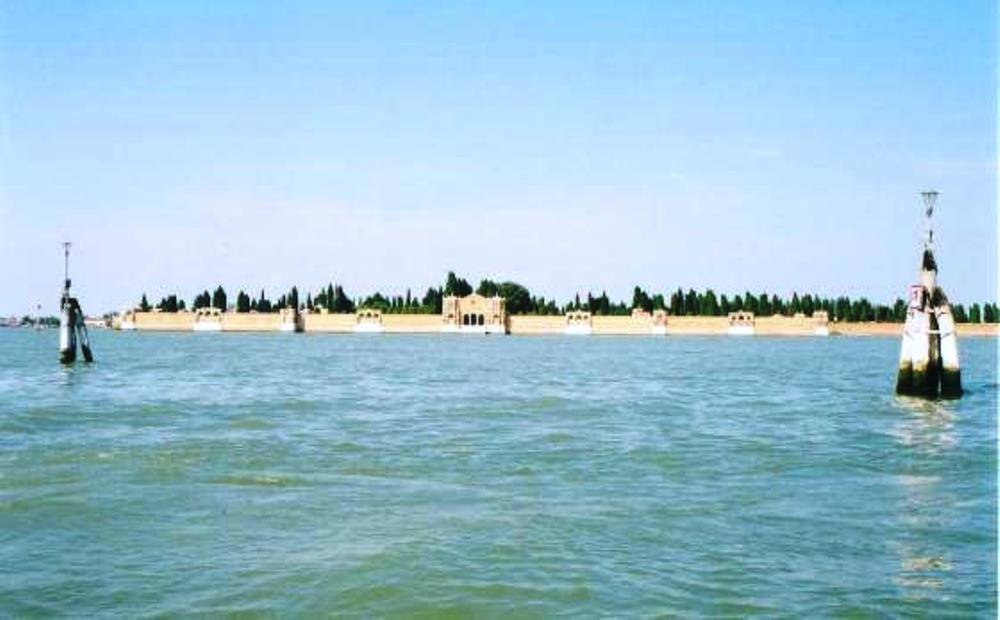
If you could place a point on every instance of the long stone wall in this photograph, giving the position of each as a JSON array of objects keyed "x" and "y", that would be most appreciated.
[
  {"x": 246, "y": 322},
  {"x": 529, "y": 324},
  {"x": 411, "y": 323},
  {"x": 697, "y": 325},
  {"x": 525, "y": 325},
  {"x": 333, "y": 323},
  {"x": 163, "y": 321}
]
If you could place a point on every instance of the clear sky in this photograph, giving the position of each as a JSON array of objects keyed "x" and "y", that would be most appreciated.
[{"x": 568, "y": 146}]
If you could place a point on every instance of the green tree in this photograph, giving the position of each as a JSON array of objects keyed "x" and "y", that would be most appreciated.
[
  {"x": 709, "y": 305},
  {"x": 377, "y": 301},
  {"x": 777, "y": 305},
  {"x": 843, "y": 309},
  {"x": 975, "y": 314},
  {"x": 691, "y": 303},
  {"x": 144, "y": 304},
  {"x": 456, "y": 286},
  {"x": 219, "y": 298},
  {"x": 641, "y": 300},
  {"x": 263, "y": 303},
  {"x": 432, "y": 300},
  {"x": 242, "y": 302},
  {"x": 989, "y": 313},
  {"x": 488, "y": 288},
  {"x": 603, "y": 304},
  {"x": 958, "y": 311},
  {"x": 518, "y": 298},
  {"x": 342, "y": 304},
  {"x": 764, "y": 305},
  {"x": 202, "y": 300},
  {"x": 168, "y": 304},
  {"x": 677, "y": 303},
  {"x": 807, "y": 307}
]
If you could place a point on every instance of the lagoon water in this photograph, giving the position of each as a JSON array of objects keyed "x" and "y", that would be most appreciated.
[{"x": 458, "y": 476}]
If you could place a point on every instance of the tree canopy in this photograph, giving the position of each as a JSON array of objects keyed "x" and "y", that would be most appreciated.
[{"x": 519, "y": 300}]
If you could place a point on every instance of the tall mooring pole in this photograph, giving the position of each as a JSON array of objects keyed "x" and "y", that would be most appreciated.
[
  {"x": 928, "y": 358},
  {"x": 71, "y": 325}
]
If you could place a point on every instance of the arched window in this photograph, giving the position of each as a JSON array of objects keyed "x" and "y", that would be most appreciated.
[
  {"x": 482, "y": 320},
  {"x": 465, "y": 319}
]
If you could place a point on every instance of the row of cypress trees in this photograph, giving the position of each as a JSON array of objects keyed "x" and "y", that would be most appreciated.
[{"x": 520, "y": 301}]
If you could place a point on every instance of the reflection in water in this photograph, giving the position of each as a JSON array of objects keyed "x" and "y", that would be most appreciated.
[
  {"x": 929, "y": 429},
  {"x": 929, "y": 426},
  {"x": 920, "y": 573},
  {"x": 921, "y": 569}
]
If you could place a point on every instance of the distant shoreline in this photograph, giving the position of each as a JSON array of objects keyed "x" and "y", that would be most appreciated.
[{"x": 639, "y": 324}]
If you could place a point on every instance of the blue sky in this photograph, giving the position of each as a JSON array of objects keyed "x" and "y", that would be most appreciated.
[{"x": 569, "y": 146}]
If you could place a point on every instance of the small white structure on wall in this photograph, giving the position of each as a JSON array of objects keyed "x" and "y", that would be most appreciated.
[
  {"x": 368, "y": 321},
  {"x": 579, "y": 323},
  {"x": 207, "y": 320},
  {"x": 741, "y": 323},
  {"x": 821, "y": 323}
]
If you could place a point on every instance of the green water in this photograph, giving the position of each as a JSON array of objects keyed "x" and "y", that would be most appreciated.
[{"x": 449, "y": 476}]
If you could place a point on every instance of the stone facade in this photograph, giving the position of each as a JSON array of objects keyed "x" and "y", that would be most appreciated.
[{"x": 474, "y": 314}]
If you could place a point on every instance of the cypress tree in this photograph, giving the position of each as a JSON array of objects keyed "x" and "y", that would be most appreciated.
[
  {"x": 958, "y": 311},
  {"x": 763, "y": 305},
  {"x": 709, "y": 306},
  {"x": 219, "y": 298},
  {"x": 796, "y": 305},
  {"x": 975, "y": 315},
  {"x": 677, "y": 303},
  {"x": 808, "y": 307},
  {"x": 691, "y": 303},
  {"x": 641, "y": 300}
]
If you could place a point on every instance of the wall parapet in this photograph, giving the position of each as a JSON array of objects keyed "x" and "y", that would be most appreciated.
[{"x": 578, "y": 322}]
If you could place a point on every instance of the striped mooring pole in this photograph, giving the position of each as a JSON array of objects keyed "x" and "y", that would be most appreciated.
[{"x": 928, "y": 358}]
